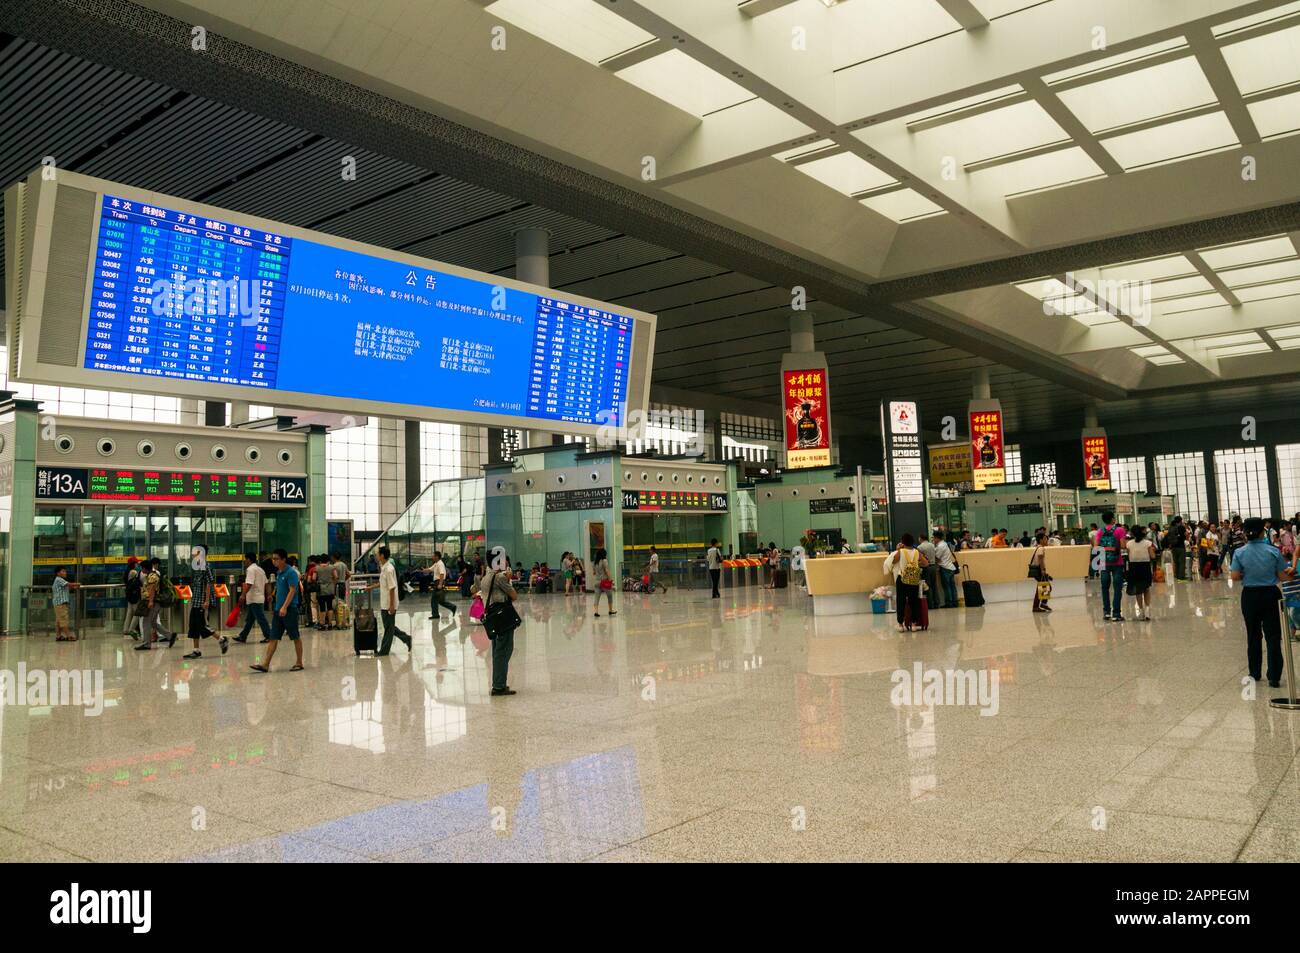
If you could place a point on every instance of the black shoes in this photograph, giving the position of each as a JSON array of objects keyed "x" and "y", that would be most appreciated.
[
  {"x": 225, "y": 644},
  {"x": 504, "y": 691}
]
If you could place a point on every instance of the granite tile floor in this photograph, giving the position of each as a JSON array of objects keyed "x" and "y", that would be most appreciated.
[{"x": 682, "y": 729}]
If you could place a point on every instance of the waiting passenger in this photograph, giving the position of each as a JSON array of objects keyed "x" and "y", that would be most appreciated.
[
  {"x": 1259, "y": 567},
  {"x": 1038, "y": 571},
  {"x": 604, "y": 582},
  {"x": 906, "y": 564},
  {"x": 1141, "y": 555},
  {"x": 943, "y": 549}
]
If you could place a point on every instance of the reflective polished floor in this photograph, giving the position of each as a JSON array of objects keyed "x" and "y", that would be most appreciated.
[{"x": 683, "y": 728}]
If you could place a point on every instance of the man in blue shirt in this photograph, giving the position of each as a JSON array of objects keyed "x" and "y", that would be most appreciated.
[
  {"x": 284, "y": 614},
  {"x": 1259, "y": 567}
]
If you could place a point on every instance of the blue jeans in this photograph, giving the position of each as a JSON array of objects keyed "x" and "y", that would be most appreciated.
[
  {"x": 253, "y": 612},
  {"x": 1112, "y": 575},
  {"x": 948, "y": 577}
]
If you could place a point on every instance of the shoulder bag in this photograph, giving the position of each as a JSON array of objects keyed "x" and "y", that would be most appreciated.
[{"x": 499, "y": 618}]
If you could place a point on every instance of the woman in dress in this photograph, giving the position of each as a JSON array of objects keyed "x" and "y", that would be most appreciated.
[
  {"x": 1141, "y": 553},
  {"x": 604, "y": 582}
]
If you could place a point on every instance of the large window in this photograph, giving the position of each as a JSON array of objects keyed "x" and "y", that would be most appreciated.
[
  {"x": 1183, "y": 474},
  {"x": 1015, "y": 473},
  {"x": 1242, "y": 477},
  {"x": 451, "y": 451},
  {"x": 1288, "y": 478},
  {"x": 352, "y": 476},
  {"x": 1128, "y": 474}
]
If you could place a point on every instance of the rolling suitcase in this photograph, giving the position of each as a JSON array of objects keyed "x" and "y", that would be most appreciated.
[
  {"x": 365, "y": 625},
  {"x": 972, "y": 594},
  {"x": 780, "y": 578},
  {"x": 924, "y": 622}
]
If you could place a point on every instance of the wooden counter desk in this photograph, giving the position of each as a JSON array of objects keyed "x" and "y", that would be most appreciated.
[{"x": 842, "y": 585}]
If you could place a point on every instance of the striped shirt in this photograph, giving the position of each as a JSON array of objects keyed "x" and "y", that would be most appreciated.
[{"x": 60, "y": 591}]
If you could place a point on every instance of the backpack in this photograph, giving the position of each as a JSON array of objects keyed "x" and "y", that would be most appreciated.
[
  {"x": 133, "y": 586},
  {"x": 166, "y": 595},
  {"x": 1109, "y": 545},
  {"x": 911, "y": 574}
]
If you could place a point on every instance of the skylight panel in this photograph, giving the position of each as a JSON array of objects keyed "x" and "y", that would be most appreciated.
[
  {"x": 1172, "y": 141},
  {"x": 1119, "y": 59},
  {"x": 846, "y": 173},
  {"x": 902, "y": 205},
  {"x": 1154, "y": 269},
  {"x": 580, "y": 27},
  {"x": 1040, "y": 172},
  {"x": 1263, "y": 62},
  {"x": 1260, "y": 274},
  {"x": 685, "y": 82},
  {"x": 865, "y": 29},
  {"x": 1277, "y": 115},
  {"x": 1144, "y": 94},
  {"x": 1000, "y": 132},
  {"x": 1279, "y": 289},
  {"x": 1247, "y": 253}
]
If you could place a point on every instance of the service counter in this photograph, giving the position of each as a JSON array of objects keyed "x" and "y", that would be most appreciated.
[{"x": 843, "y": 585}]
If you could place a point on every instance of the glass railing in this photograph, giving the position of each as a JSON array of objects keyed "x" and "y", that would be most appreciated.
[{"x": 447, "y": 517}]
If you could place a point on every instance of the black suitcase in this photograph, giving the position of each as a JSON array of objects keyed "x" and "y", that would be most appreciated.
[
  {"x": 780, "y": 578},
  {"x": 365, "y": 625},
  {"x": 971, "y": 592}
]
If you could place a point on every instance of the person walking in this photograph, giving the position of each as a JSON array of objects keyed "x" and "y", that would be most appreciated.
[
  {"x": 1177, "y": 540},
  {"x": 324, "y": 593},
  {"x": 652, "y": 568},
  {"x": 201, "y": 591},
  {"x": 1110, "y": 540},
  {"x": 713, "y": 560},
  {"x": 252, "y": 595},
  {"x": 439, "y": 573},
  {"x": 133, "y": 583},
  {"x": 604, "y": 582},
  {"x": 773, "y": 564},
  {"x": 1038, "y": 572},
  {"x": 1259, "y": 567},
  {"x": 906, "y": 564},
  {"x": 1142, "y": 554},
  {"x": 496, "y": 587},
  {"x": 287, "y": 606},
  {"x": 566, "y": 567},
  {"x": 151, "y": 625},
  {"x": 388, "y": 599}
]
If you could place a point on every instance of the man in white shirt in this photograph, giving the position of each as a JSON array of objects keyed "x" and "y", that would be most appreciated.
[
  {"x": 439, "y": 572},
  {"x": 253, "y": 596},
  {"x": 947, "y": 566},
  {"x": 388, "y": 603}
]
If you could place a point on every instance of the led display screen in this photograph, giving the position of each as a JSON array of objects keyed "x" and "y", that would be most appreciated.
[
  {"x": 113, "y": 484},
  {"x": 119, "y": 288}
]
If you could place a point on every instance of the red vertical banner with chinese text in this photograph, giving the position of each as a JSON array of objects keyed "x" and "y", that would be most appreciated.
[
  {"x": 806, "y": 399},
  {"x": 988, "y": 459},
  {"x": 1096, "y": 460}
]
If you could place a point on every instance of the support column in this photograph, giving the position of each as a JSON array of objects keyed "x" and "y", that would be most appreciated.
[
  {"x": 980, "y": 389},
  {"x": 214, "y": 413},
  {"x": 803, "y": 339},
  {"x": 533, "y": 265},
  {"x": 1211, "y": 489},
  {"x": 1274, "y": 484},
  {"x": 1090, "y": 416},
  {"x": 239, "y": 412},
  {"x": 1153, "y": 483},
  {"x": 412, "y": 455}
]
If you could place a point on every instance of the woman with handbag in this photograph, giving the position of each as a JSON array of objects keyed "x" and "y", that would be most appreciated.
[
  {"x": 500, "y": 620},
  {"x": 1038, "y": 572},
  {"x": 604, "y": 582}
]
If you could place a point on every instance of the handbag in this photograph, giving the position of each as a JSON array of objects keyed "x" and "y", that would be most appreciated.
[
  {"x": 1035, "y": 570},
  {"x": 607, "y": 584},
  {"x": 500, "y": 618}
]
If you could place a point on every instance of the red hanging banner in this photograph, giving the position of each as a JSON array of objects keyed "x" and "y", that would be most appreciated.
[
  {"x": 988, "y": 461},
  {"x": 1096, "y": 460},
  {"x": 806, "y": 397}
]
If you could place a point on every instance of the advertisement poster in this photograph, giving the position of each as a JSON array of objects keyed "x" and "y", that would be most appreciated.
[
  {"x": 1096, "y": 460},
  {"x": 950, "y": 463},
  {"x": 988, "y": 465},
  {"x": 807, "y": 418}
]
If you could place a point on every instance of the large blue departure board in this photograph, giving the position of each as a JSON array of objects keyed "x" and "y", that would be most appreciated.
[{"x": 187, "y": 297}]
